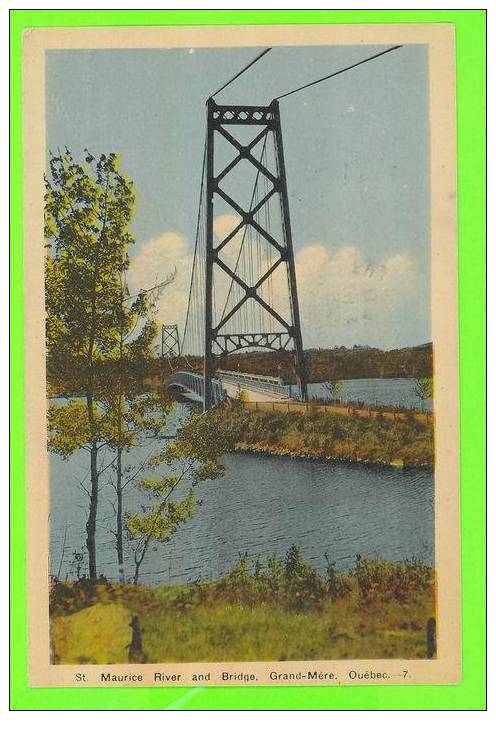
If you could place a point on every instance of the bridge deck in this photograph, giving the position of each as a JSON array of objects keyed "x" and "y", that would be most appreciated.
[{"x": 230, "y": 384}]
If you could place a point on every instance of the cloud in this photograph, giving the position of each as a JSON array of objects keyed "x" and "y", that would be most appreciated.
[
  {"x": 171, "y": 253},
  {"x": 224, "y": 224},
  {"x": 344, "y": 299},
  {"x": 157, "y": 259}
]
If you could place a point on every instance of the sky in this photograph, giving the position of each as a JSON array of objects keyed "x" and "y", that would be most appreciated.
[{"x": 357, "y": 161}]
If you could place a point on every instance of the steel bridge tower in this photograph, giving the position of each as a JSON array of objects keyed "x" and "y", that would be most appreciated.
[
  {"x": 170, "y": 341},
  {"x": 288, "y": 337}
]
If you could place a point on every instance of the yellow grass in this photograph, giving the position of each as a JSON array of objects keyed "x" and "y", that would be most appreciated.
[
  {"x": 225, "y": 631},
  {"x": 99, "y": 634}
]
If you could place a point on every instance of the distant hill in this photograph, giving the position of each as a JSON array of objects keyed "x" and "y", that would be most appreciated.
[{"x": 340, "y": 363}]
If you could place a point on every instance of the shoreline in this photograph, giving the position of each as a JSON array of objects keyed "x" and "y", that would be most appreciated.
[{"x": 282, "y": 453}]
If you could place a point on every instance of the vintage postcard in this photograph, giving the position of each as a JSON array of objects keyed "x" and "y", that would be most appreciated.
[{"x": 241, "y": 355}]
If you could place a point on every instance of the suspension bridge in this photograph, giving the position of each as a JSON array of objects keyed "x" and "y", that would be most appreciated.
[{"x": 243, "y": 292}]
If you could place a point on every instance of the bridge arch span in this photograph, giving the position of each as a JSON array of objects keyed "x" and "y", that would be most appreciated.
[{"x": 193, "y": 385}]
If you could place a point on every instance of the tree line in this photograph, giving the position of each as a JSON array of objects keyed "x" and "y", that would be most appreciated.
[{"x": 323, "y": 365}]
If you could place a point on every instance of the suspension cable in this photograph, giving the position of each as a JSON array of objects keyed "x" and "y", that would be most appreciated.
[
  {"x": 196, "y": 243},
  {"x": 336, "y": 73},
  {"x": 240, "y": 72}
]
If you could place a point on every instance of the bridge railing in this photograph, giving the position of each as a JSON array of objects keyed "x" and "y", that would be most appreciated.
[
  {"x": 251, "y": 376},
  {"x": 263, "y": 383}
]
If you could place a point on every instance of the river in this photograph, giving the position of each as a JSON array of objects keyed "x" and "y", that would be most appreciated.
[
  {"x": 261, "y": 505},
  {"x": 397, "y": 392}
]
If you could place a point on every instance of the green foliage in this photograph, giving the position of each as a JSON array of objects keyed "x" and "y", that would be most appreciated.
[
  {"x": 197, "y": 448},
  {"x": 87, "y": 215},
  {"x": 424, "y": 388},
  {"x": 67, "y": 597},
  {"x": 132, "y": 416},
  {"x": 382, "y": 581},
  {"x": 192, "y": 457},
  {"x": 334, "y": 389},
  {"x": 91, "y": 317},
  {"x": 295, "y": 585},
  {"x": 249, "y": 615},
  {"x": 69, "y": 427},
  {"x": 339, "y": 584},
  {"x": 161, "y": 520},
  {"x": 220, "y": 632},
  {"x": 304, "y": 586},
  {"x": 94, "y": 322},
  {"x": 243, "y": 396},
  {"x": 157, "y": 521},
  {"x": 291, "y": 583},
  {"x": 325, "y": 435},
  {"x": 88, "y": 210},
  {"x": 159, "y": 485}
]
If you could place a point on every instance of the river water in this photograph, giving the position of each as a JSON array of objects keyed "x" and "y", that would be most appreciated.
[
  {"x": 261, "y": 505},
  {"x": 397, "y": 392}
]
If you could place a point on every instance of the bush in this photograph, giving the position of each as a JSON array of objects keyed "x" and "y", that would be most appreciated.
[
  {"x": 240, "y": 585},
  {"x": 328, "y": 435},
  {"x": 66, "y": 597},
  {"x": 382, "y": 581},
  {"x": 292, "y": 584},
  {"x": 338, "y": 584},
  {"x": 304, "y": 587}
]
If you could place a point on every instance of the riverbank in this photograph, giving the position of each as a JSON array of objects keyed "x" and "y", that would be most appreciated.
[
  {"x": 276, "y": 612},
  {"x": 282, "y": 453},
  {"x": 325, "y": 435},
  {"x": 342, "y": 409}
]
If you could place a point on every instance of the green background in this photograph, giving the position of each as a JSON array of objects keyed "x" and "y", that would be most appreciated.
[{"x": 470, "y": 28}]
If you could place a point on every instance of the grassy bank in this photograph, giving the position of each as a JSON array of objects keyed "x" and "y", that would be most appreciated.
[
  {"x": 319, "y": 435},
  {"x": 280, "y": 611}
]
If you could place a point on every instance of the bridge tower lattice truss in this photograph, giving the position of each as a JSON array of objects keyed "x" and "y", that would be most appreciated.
[
  {"x": 225, "y": 334},
  {"x": 170, "y": 346}
]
